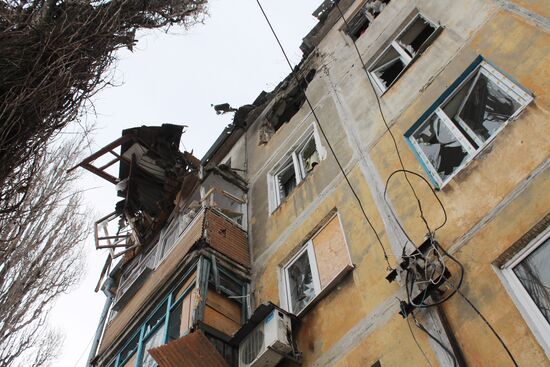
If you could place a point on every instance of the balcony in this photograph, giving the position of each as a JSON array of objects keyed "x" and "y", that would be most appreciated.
[{"x": 209, "y": 229}]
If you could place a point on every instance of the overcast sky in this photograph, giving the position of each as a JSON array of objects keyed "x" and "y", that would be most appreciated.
[{"x": 174, "y": 78}]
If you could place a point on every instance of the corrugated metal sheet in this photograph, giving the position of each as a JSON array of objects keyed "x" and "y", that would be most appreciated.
[{"x": 192, "y": 350}]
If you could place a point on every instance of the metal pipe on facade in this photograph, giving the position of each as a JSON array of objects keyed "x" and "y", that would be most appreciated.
[{"x": 109, "y": 283}]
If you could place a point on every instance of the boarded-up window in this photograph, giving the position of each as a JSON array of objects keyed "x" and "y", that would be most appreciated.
[{"x": 316, "y": 267}]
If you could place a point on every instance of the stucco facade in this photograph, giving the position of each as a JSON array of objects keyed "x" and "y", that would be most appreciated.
[{"x": 352, "y": 201}]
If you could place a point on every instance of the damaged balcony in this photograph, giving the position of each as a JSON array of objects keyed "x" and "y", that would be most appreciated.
[{"x": 209, "y": 233}]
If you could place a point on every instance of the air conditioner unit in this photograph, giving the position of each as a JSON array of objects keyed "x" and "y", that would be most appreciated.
[{"x": 266, "y": 345}]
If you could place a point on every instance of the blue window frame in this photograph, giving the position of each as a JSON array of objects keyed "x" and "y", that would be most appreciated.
[
  {"x": 163, "y": 324},
  {"x": 465, "y": 119},
  {"x": 160, "y": 327}
]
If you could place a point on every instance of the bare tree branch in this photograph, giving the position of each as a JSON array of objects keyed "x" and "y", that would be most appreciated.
[
  {"x": 43, "y": 260},
  {"x": 54, "y": 55}
]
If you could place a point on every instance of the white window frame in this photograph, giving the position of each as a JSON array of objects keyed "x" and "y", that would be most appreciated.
[
  {"x": 308, "y": 247},
  {"x": 405, "y": 58},
  {"x": 173, "y": 227},
  {"x": 527, "y": 307},
  {"x": 293, "y": 157},
  {"x": 506, "y": 85}
]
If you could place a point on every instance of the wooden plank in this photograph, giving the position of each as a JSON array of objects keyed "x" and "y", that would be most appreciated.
[
  {"x": 224, "y": 305},
  {"x": 186, "y": 314},
  {"x": 106, "y": 149},
  {"x": 219, "y": 321},
  {"x": 331, "y": 251}
]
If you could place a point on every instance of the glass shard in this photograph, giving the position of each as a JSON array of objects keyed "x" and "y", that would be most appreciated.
[
  {"x": 301, "y": 286},
  {"x": 487, "y": 108},
  {"x": 440, "y": 146},
  {"x": 534, "y": 274}
]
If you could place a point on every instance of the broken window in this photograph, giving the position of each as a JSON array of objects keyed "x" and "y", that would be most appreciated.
[
  {"x": 168, "y": 321},
  {"x": 286, "y": 180},
  {"x": 318, "y": 265},
  {"x": 169, "y": 238},
  {"x": 480, "y": 105},
  {"x": 528, "y": 279},
  {"x": 359, "y": 23},
  {"x": 155, "y": 339},
  {"x": 298, "y": 163},
  {"x": 308, "y": 156},
  {"x": 401, "y": 52},
  {"x": 302, "y": 279},
  {"x": 533, "y": 273}
]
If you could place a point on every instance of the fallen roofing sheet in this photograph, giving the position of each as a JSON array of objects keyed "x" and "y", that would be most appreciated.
[{"x": 192, "y": 350}]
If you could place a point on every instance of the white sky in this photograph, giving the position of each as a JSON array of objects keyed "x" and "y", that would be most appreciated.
[{"x": 174, "y": 78}]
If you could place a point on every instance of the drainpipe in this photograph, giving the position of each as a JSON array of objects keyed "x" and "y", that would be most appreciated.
[{"x": 109, "y": 283}]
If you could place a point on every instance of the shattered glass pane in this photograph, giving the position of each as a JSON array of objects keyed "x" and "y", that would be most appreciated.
[
  {"x": 440, "y": 146},
  {"x": 415, "y": 36},
  {"x": 389, "y": 73},
  {"x": 310, "y": 156},
  {"x": 302, "y": 290},
  {"x": 287, "y": 181},
  {"x": 157, "y": 339},
  {"x": 534, "y": 274},
  {"x": 487, "y": 107}
]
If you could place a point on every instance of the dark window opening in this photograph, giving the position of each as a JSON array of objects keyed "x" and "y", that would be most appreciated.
[
  {"x": 359, "y": 23},
  {"x": 287, "y": 180},
  {"x": 229, "y": 353},
  {"x": 174, "y": 326},
  {"x": 310, "y": 156},
  {"x": 416, "y": 35},
  {"x": 480, "y": 109},
  {"x": 300, "y": 277},
  {"x": 390, "y": 72},
  {"x": 401, "y": 52},
  {"x": 357, "y": 26}
]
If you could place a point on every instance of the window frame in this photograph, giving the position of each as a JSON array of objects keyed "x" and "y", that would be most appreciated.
[
  {"x": 173, "y": 228},
  {"x": 361, "y": 16},
  {"x": 405, "y": 58},
  {"x": 169, "y": 303},
  {"x": 308, "y": 247},
  {"x": 294, "y": 158},
  {"x": 521, "y": 298},
  {"x": 478, "y": 67}
]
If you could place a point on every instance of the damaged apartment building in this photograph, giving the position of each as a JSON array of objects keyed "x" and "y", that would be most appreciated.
[{"x": 385, "y": 205}]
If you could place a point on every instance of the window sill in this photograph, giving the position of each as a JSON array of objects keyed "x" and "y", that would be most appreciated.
[{"x": 331, "y": 285}]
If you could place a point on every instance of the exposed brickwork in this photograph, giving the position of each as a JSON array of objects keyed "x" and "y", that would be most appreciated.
[{"x": 226, "y": 237}]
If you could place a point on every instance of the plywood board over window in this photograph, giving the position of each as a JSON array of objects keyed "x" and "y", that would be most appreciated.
[
  {"x": 331, "y": 251},
  {"x": 316, "y": 267}
]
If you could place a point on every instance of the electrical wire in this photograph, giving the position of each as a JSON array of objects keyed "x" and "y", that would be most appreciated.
[
  {"x": 416, "y": 341},
  {"x": 410, "y": 285},
  {"x": 431, "y": 233},
  {"x": 326, "y": 139},
  {"x": 439, "y": 342},
  {"x": 476, "y": 310},
  {"x": 419, "y": 203}
]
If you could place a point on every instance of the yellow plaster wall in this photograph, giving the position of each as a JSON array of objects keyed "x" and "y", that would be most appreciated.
[{"x": 516, "y": 46}]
